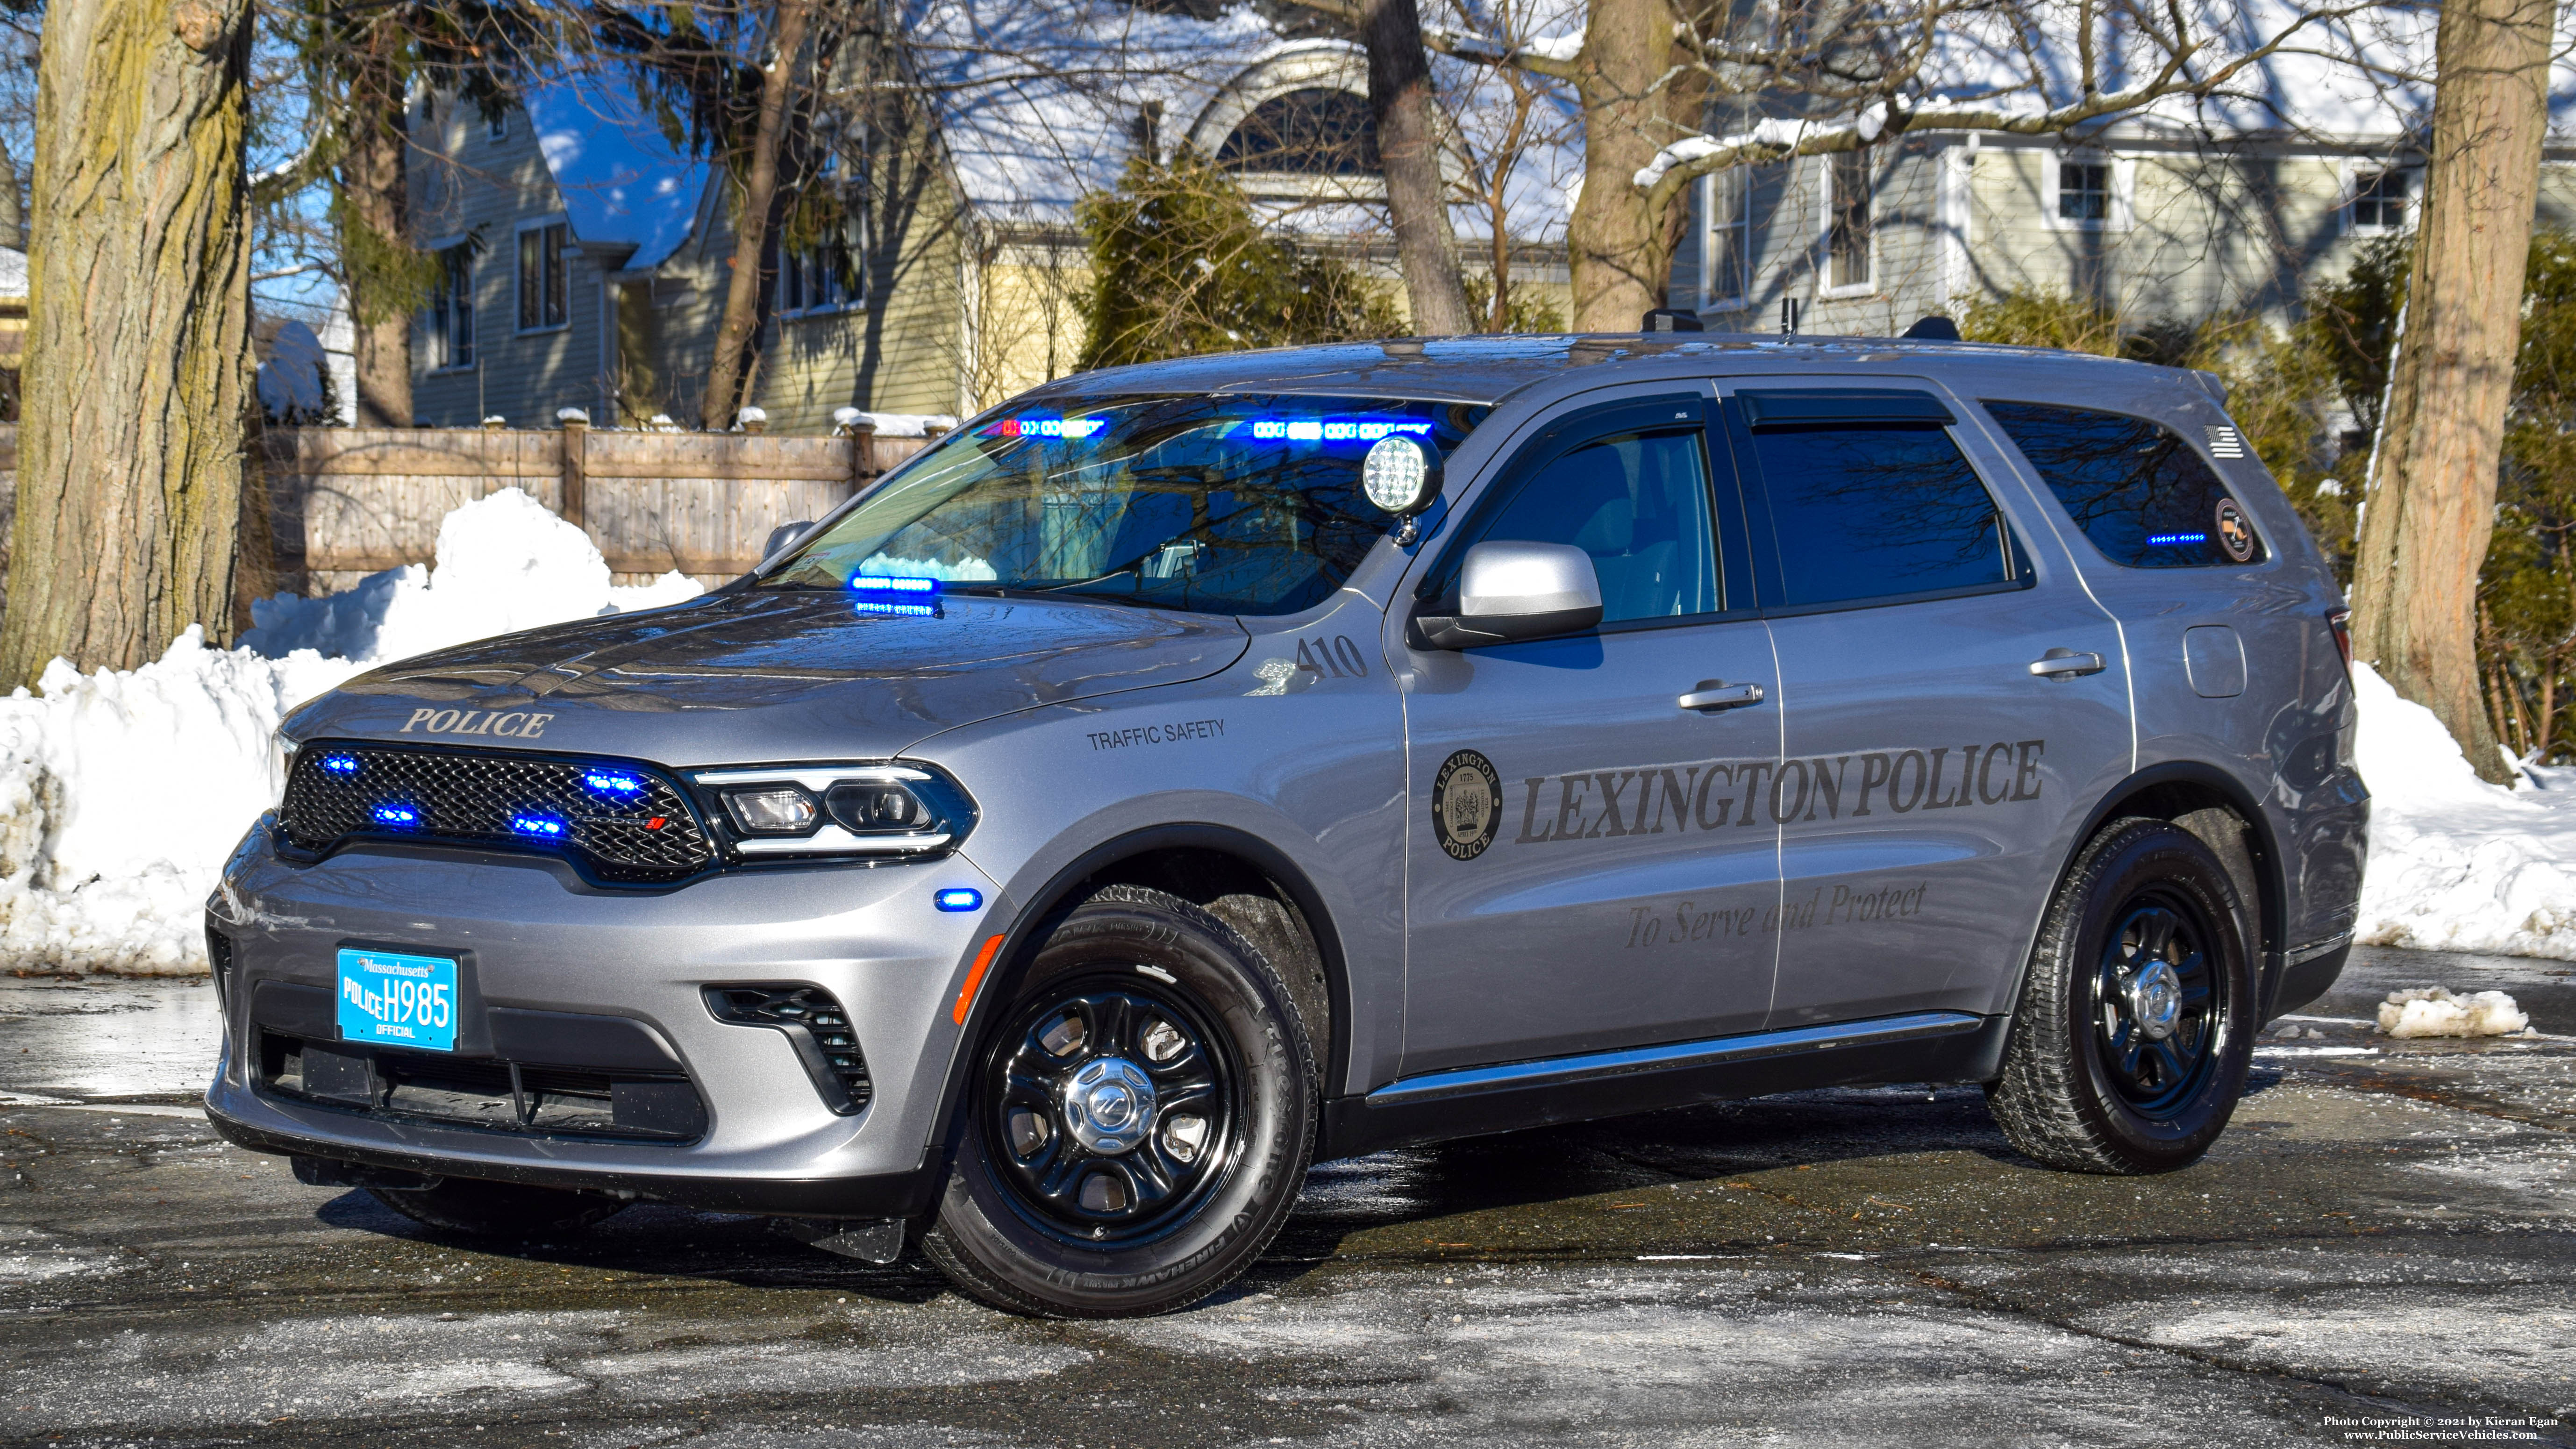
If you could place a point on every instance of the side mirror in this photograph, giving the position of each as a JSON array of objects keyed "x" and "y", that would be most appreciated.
[
  {"x": 784, "y": 537},
  {"x": 1511, "y": 591}
]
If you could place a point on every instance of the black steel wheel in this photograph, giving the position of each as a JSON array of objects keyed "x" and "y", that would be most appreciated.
[
  {"x": 1138, "y": 1121},
  {"x": 2135, "y": 1027},
  {"x": 1110, "y": 1104}
]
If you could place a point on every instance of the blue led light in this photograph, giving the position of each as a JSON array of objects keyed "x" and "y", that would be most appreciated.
[
  {"x": 340, "y": 764},
  {"x": 1045, "y": 427},
  {"x": 542, "y": 827},
  {"x": 959, "y": 898},
  {"x": 892, "y": 584},
  {"x": 910, "y": 611},
  {"x": 612, "y": 782},
  {"x": 395, "y": 813},
  {"x": 2177, "y": 538},
  {"x": 1329, "y": 430}
]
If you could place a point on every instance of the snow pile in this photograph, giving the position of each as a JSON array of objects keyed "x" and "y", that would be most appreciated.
[
  {"x": 2433, "y": 1011},
  {"x": 122, "y": 791},
  {"x": 2457, "y": 864}
]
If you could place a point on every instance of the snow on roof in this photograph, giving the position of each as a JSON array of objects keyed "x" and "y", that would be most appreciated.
[
  {"x": 623, "y": 182},
  {"x": 1039, "y": 105}
]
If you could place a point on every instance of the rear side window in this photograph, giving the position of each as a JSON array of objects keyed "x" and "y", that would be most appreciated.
[
  {"x": 1876, "y": 512},
  {"x": 2144, "y": 496}
]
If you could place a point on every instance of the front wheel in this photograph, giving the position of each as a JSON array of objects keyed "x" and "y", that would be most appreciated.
[
  {"x": 1139, "y": 1119},
  {"x": 2136, "y": 1025}
]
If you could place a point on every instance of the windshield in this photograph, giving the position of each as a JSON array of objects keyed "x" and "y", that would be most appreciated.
[{"x": 1219, "y": 505}]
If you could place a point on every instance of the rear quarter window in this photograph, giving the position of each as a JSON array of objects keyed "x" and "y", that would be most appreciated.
[{"x": 2143, "y": 495}]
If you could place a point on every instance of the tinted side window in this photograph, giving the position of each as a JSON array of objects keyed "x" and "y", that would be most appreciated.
[
  {"x": 1877, "y": 512},
  {"x": 1638, "y": 502},
  {"x": 2145, "y": 497}
]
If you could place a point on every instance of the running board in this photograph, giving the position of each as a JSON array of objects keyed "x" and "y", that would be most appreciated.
[
  {"x": 1930, "y": 1046},
  {"x": 1677, "y": 1056}
]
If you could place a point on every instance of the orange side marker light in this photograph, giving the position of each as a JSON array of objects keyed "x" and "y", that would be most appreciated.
[{"x": 975, "y": 976}]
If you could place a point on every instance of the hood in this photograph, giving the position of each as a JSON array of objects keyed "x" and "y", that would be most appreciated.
[{"x": 770, "y": 677}]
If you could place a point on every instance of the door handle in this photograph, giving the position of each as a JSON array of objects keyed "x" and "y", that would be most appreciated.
[
  {"x": 2066, "y": 664},
  {"x": 1713, "y": 695}
]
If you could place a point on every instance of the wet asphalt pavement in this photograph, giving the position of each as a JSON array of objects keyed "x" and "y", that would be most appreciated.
[{"x": 2382, "y": 1249}]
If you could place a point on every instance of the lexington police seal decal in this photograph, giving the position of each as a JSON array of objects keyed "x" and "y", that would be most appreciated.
[{"x": 1466, "y": 804}]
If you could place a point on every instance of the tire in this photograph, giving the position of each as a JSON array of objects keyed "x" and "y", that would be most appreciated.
[
  {"x": 2088, "y": 1085},
  {"x": 1061, "y": 1202},
  {"x": 498, "y": 1209}
]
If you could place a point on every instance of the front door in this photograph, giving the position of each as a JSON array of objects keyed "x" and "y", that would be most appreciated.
[
  {"x": 1955, "y": 700},
  {"x": 1588, "y": 864}
]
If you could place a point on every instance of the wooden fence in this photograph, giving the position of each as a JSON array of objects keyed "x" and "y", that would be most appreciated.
[{"x": 347, "y": 502}]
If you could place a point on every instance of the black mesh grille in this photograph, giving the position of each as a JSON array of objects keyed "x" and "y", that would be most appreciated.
[{"x": 339, "y": 791}]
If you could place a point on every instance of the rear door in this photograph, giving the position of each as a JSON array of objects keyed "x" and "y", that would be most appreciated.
[
  {"x": 1585, "y": 867},
  {"x": 1954, "y": 700}
]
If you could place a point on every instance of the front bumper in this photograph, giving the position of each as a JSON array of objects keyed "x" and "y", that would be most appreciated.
[{"x": 530, "y": 936}]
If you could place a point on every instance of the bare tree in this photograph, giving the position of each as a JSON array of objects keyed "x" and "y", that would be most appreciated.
[
  {"x": 1417, "y": 201},
  {"x": 138, "y": 354},
  {"x": 781, "y": 86},
  {"x": 2432, "y": 489}
]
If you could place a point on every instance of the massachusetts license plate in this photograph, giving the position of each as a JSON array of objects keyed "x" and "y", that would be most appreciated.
[{"x": 396, "y": 1000}]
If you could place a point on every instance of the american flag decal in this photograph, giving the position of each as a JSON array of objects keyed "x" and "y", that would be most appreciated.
[{"x": 2225, "y": 442}]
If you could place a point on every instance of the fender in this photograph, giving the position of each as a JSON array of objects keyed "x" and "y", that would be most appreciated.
[
  {"x": 2270, "y": 906},
  {"x": 1029, "y": 924}
]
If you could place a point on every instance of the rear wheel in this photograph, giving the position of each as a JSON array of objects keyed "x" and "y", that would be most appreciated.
[
  {"x": 2130, "y": 1045},
  {"x": 1139, "y": 1120},
  {"x": 498, "y": 1209}
]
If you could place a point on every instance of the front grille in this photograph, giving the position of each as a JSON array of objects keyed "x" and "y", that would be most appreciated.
[
  {"x": 815, "y": 1022},
  {"x": 484, "y": 1092},
  {"x": 338, "y": 792}
]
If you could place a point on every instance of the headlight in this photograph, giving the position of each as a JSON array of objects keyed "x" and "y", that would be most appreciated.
[{"x": 870, "y": 809}]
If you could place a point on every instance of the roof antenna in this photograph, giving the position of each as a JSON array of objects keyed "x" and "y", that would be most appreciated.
[
  {"x": 1671, "y": 319},
  {"x": 1788, "y": 316}
]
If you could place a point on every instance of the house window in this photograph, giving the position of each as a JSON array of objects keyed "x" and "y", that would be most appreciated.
[
  {"x": 1725, "y": 278},
  {"x": 451, "y": 310},
  {"x": 2084, "y": 191},
  {"x": 1317, "y": 131},
  {"x": 1847, "y": 226},
  {"x": 2379, "y": 200},
  {"x": 542, "y": 289},
  {"x": 817, "y": 278}
]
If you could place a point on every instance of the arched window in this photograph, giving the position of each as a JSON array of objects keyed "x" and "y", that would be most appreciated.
[{"x": 1316, "y": 131}]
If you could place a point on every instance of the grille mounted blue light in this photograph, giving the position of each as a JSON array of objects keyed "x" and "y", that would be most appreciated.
[
  {"x": 539, "y": 827},
  {"x": 396, "y": 814},
  {"x": 343, "y": 765},
  {"x": 958, "y": 898},
  {"x": 2177, "y": 538},
  {"x": 612, "y": 782}
]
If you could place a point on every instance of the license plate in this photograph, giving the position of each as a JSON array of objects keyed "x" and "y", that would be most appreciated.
[{"x": 396, "y": 1000}]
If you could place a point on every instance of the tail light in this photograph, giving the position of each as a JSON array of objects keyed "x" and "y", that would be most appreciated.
[{"x": 2340, "y": 621}]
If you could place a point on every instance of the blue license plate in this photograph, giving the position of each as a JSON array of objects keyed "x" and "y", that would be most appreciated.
[{"x": 396, "y": 1000}]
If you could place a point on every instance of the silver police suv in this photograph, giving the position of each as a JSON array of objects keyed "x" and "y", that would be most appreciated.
[{"x": 1185, "y": 773}]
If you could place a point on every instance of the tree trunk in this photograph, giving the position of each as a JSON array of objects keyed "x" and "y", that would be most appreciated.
[
  {"x": 138, "y": 347},
  {"x": 1616, "y": 241},
  {"x": 751, "y": 221},
  {"x": 374, "y": 194},
  {"x": 2432, "y": 494},
  {"x": 13, "y": 214},
  {"x": 1408, "y": 148}
]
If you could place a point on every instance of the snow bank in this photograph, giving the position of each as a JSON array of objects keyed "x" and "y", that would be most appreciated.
[
  {"x": 2433, "y": 1011},
  {"x": 2457, "y": 864},
  {"x": 122, "y": 791}
]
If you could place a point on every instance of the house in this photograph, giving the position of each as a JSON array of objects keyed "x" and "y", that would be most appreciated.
[
  {"x": 2174, "y": 213},
  {"x": 932, "y": 263}
]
